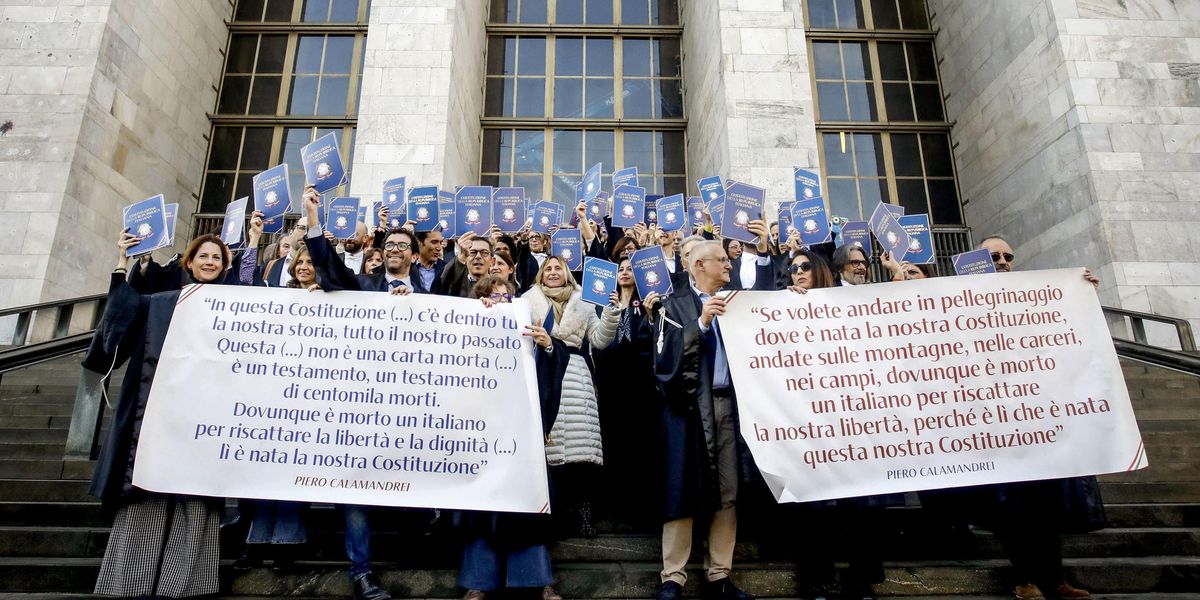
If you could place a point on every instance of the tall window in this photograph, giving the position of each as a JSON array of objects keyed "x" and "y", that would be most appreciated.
[
  {"x": 572, "y": 83},
  {"x": 293, "y": 72},
  {"x": 880, "y": 116}
]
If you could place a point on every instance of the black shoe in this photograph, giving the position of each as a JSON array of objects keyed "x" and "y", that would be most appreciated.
[
  {"x": 723, "y": 589},
  {"x": 251, "y": 558},
  {"x": 669, "y": 590},
  {"x": 367, "y": 587}
]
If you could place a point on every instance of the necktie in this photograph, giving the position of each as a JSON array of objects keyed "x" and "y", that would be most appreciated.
[{"x": 395, "y": 283}]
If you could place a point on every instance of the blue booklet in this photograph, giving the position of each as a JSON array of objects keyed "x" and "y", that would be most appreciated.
[
  {"x": 651, "y": 216},
  {"x": 323, "y": 163},
  {"x": 599, "y": 280},
  {"x": 560, "y": 213},
  {"x": 473, "y": 209},
  {"x": 395, "y": 200},
  {"x": 341, "y": 217},
  {"x": 234, "y": 225},
  {"x": 567, "y": 244},
  {"x": 974, "y": 262},
  {"x": 626, "y": 176},
  {"x": 650, "y": 272},
  {"x": 743, "y": 203},
  {"x": 446, "y": 214},
  {"x": 422, "y": 208},
  {"x": 148, "y": 220},
  {"x": 812, "y": 221},
  {"x": 629, "y": 206},
  {"x": 170, "y": 211},
  {"x": 717, "y": 211},
  {"x": 695, "y": 208},
  {"x": 508, "y": 208},
  {"x": 598, "y": 207},
  {"x": 891, "y": 235},
  {"x": 711, "y": 190},
  {"x": 920, "y": 242},
  {"x": 272, "y": 196},
  {"x": 785, "y": 219},
  {"x": 545, "y": 216},
  {"x": 808, "y": 184},
  {"x": 672, "y": 215},
  {"x": 590, "y": 186},
  {"x": 856, "y": 233}
]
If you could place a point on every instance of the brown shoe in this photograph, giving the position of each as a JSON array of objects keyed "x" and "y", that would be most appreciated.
[
  {"x": 1064, "y": 590},
  {"x": 473, "y": 595},
  {"x": 1028, "y": 591},
  {"x": 548, "y": 593}
]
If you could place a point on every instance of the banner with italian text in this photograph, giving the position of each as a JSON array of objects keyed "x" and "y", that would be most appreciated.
[
  {"x": 348, "y": 398},
  {"x": 925, "y": 384}
]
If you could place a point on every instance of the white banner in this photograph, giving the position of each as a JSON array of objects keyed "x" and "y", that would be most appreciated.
[
  {"x": 933, "y": 383},
  {"x": 349, "y": 397}
]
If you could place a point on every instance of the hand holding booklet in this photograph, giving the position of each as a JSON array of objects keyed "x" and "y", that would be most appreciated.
[
  {"x": 599, "y": 280},
  {"x": 147, "y": 220}
]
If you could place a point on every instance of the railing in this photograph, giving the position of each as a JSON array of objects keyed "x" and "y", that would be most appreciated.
[
  {"x": 1128, "y": 330},
  {"x": 64, "y": 311}
]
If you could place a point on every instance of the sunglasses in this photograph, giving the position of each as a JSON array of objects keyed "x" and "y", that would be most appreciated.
[
  {"x": 803, "y": 267},
  {"x": 1007, "y": 257}
]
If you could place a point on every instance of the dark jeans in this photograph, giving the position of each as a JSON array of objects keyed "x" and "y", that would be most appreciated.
[
  {"x": 358, "y": 539},
  {"x": 486, "y": 568}
]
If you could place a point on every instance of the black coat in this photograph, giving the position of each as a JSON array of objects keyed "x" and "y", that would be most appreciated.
[
  {"x": 334, "y": 275},
  {"x": 765, "y": 276},
  {"x": 264, "y": 277}
]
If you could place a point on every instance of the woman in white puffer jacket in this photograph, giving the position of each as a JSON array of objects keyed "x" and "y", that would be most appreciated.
[{"x": 573, "y": 448}]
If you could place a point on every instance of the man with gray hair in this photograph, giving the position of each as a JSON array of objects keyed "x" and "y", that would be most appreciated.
[{"x": 850, "y": 265}]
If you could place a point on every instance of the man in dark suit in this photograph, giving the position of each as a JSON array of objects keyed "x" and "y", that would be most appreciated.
[
  {"x": 470, "y": 265},
  {"x": 429, "y": 263},
  {"x": 704, "y": 461},
  {"x": 750, "y": 270}
]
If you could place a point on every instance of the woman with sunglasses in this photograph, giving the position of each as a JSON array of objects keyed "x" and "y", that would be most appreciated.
[{"x": 808, "y": 271}]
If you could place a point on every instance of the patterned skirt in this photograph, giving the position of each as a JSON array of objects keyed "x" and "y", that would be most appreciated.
[{"x": 162, "y": 546}]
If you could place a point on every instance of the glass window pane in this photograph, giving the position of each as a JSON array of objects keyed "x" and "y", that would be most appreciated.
[
  {"x": 936, "y": 148},
  {"x": 533, "y": 11},
  {"x": 921, "y": 62},
  {"x": 531, "y": 56},
  {"x": 510, "y": 94},
  {"x": 529, "y": 151},
  {"x": 639, "y": 151},
  {"x": 339, "y": 53},
  {"x": 343, "y": 11},
  {"x": 943, "y": 202},
  {"x": 868, "y": 154},
  {"x": 898, "y": 100},
  {"x": 241, "y": 54},
  {"x": 674, "y": 185},
  {"x": 670, "y": 99},
  {"x": 308, "y": 53},
  {"x": 506, "y": 56},
  {"x": 218, "y": 191},
  {"x": 666, "y": 55},
  {"x": 494, "y": 95},
  {"x": 928, "y": 100},
  {"x": 600, "y": 57},
  {"x": 334, "y": 91},
  {"x": 831, "y": 99},
  {"x": 249, "y": 10},
  {"x": 906, "y": 155},
  {"x": 639, "y": 101},
  {"x": 636, "y": 57},
  {"x": 568, "y": 97},
  {"x": 850, "y": 14},
  {"x": 495, "y": 180},
  {"x": 891, "y": 61},
  {"x": 271, "y": 52},
  {"x": 315, "y": 10},
  {"x": 664, "y": 12},
  {"x": 843, "y": 198},
  {"x": 635, "y": 12},
  {"x": 827, "y": 61},
  {"x": 234, "y": 92},
  {"x": 599, "y": 12},
  {"x": 569, "y": 12},
  {"x": 503, "y": 11},
  {"x": 490, "y": 162},
  {"x": 532, "y": 185},
  {"x": 857, "y": 61},
  {"x": 568, "y": 151},
  {"x": 256, "y": 149},
  {"x": 872, "y": 192},
  {"x": 531, "y": 97},
  {"x": 601, "y": 148},
  {"x": 227, "y": 141},
  {"x": 265, "y": 99},
  {"x": 837, "y": 161},
  {"x": 912, "y": 13},
  {"x": 303, "y": 100},
  {"x": 910, "y": 193},
  {"x": 600, "y": 103},
  {"x": 862, "y": 102},
  {"x": 821, "y": 14},
  {"x": 279, "y": 10},
  {"x": 568, "y": 56},
  {"x": 673, "y": 152},
  {"x": 885, "y": 15}
]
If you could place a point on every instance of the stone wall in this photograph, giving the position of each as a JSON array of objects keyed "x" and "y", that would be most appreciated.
[
  {"x": 422, "y": 95},
  {"x": 750, "y": 100},
  {"x": 1077, "y": 124},
  {"x": 108, "y": 100}
]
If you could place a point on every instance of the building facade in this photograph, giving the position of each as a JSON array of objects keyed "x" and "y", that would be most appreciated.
[{"x": 1071, "y": 128}]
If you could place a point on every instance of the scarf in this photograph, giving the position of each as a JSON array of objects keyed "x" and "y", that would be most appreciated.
[{"x": 558, "y": 298}]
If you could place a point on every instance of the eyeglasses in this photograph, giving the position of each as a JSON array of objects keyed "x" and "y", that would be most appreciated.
[
  {"x": 484, "y": 252},
  {"x": 504, "y": 297},
  {"x": 722, "y": 260},
  {"x": 858, "y": 263},
  {"x": 401, "y": 246},
  {"x": 803, "y": 267},
  {"x": 997, "y": 255}
]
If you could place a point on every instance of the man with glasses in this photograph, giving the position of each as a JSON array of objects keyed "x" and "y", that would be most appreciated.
[
  {"x": 850, "y": 265},
  {"x": 470, "y": 264}
]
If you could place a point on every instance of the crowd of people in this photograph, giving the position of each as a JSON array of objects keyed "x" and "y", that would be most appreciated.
[{"x": 637, "y": 401}]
